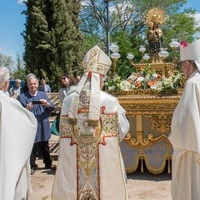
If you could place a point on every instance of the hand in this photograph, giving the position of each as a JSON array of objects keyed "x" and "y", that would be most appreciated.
[
  {"x": 29, "y": 106},
  {"x": 44, "y": 102}
]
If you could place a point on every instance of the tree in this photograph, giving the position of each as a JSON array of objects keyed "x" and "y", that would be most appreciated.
[
  {"x": 6, "y": 61},
  {"x": 19, "y": 71},
  {"x": 128, "y": 17},
  {"x": 52, "y": 39}
]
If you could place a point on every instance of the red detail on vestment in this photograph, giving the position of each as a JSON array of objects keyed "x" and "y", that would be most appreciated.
[
  {"x": 89, "y": 74},
  {"x": 183, "y": 44},
  {"x": 103, "y": 108}
]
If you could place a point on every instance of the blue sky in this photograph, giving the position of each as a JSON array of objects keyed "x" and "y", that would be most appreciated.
[{"x": 12, "y": 25}]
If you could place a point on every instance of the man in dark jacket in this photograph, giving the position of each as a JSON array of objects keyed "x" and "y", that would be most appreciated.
[{"x": 41, "y": 106}]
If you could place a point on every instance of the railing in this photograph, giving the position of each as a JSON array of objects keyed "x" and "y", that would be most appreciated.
[{"x": 54, "y": 98}]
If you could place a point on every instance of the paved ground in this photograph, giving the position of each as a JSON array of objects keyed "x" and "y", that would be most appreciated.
[{"x": 141, "y": 186}]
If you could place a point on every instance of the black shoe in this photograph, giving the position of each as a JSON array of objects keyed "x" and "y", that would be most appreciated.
[
  {"x": 33, "y": 169},
  {"x": 35, "y": 166},
  {"x": 51, "y": 167}
]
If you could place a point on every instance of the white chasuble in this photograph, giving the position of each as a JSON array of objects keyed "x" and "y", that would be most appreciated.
[
  {"x": 185, "y": 138},
  {"x": 90, "y": 164},
  {"x": 17, "y": 134}
]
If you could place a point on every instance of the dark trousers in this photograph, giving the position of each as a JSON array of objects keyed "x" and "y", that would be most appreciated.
[{"x": 44, "y": 150}]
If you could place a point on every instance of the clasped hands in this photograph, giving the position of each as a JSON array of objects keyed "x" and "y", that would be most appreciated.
[{"x": 43, "y": 102}]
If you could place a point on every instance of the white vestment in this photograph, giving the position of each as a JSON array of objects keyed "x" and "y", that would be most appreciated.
[
  {"x": 17, "y": 133},
  {"x": 90, "y": 164},
  {"x": 185, "y": 138}
]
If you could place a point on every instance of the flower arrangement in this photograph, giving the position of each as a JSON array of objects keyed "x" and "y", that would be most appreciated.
[
  {"x": 145, "y": 81},
  {"x": 112, "y": 83}
]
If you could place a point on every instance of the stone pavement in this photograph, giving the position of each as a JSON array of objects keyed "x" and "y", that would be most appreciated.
[{"x": 141, "y": 186}]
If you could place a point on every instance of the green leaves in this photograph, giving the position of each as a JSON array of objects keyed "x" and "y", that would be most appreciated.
[{"x": 53, "y": 42}]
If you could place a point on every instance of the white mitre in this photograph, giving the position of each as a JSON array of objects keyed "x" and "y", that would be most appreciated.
[
  {"x": 191, "y": 52},
  {"x": 95, "y": 63}
]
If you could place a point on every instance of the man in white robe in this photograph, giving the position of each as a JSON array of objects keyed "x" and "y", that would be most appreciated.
[
  {"x": 17, "y": 133},
  {"x": 90, "y": 164},
  {"x": 185, "y": 129}
]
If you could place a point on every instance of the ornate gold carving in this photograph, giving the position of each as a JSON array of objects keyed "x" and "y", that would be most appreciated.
[
  {"x": 160, "y": 122},
  {"x": 161, "y": 68},
  {"x": 162, "y": 159},
  {"x": 154, "y": 113},
  {"x": 148, "y": 106},
  {"x": 139, "y": 140}
]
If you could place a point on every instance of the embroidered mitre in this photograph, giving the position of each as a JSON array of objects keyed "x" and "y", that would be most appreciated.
[{"x": 96, "y": 61}]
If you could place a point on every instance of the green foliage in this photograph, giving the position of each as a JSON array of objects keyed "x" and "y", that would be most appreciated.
[
  {"x": 17, "y": 69},
  {"x": 19, "y": 72},
  {"x": 89, "y": 41},
  {"x": 112, "y": 83},
  {"x": 180, "y": 26},
  {"x": 128, "y": 29},
  {"x": 124, "y": 67},
  {"x": 53, "y": 43},
  {"x": 6, "y": 61}
]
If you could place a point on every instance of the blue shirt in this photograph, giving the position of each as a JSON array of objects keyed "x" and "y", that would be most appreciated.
[{"x": 41, "y": 113}]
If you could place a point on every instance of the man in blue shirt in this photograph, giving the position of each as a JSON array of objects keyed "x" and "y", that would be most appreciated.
[
  {"x": 44, "y": 87},
  {"x": 40, "y": 105}
]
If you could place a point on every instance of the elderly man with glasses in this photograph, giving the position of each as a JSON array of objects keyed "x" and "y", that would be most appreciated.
[{"x": 16, "y": 90}]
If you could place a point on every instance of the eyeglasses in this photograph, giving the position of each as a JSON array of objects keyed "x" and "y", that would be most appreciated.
[{"x": 179, "y": 65}]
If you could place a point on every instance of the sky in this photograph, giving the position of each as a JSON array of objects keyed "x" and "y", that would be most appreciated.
[{"x": 12, "y": 25}]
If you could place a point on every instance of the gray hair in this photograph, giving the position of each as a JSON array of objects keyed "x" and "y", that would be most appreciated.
[
  {"x": 30, "y": 75},
  {"x": 4, "y": 76}
]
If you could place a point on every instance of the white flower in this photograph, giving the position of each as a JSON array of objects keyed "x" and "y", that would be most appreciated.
[
  {"x": 133, "y": 77},
  {"x": 167, "y": 80},
  {"x": 111, "y": 88},
  {"x": 154, "y": 75},
  {"x": 178, "y": 76},
  {"x": 147, "y": 77},
  {"x": 157, "y": 86},
  {"x": 140, "y": 79},
  {"x": 125, "y": 85},
  {"x": 116, "y": 77}
]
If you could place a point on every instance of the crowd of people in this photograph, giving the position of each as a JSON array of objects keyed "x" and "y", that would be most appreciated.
[
  {"x": 67, "y": 85},
  {"x": 92, "y": 124}
]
